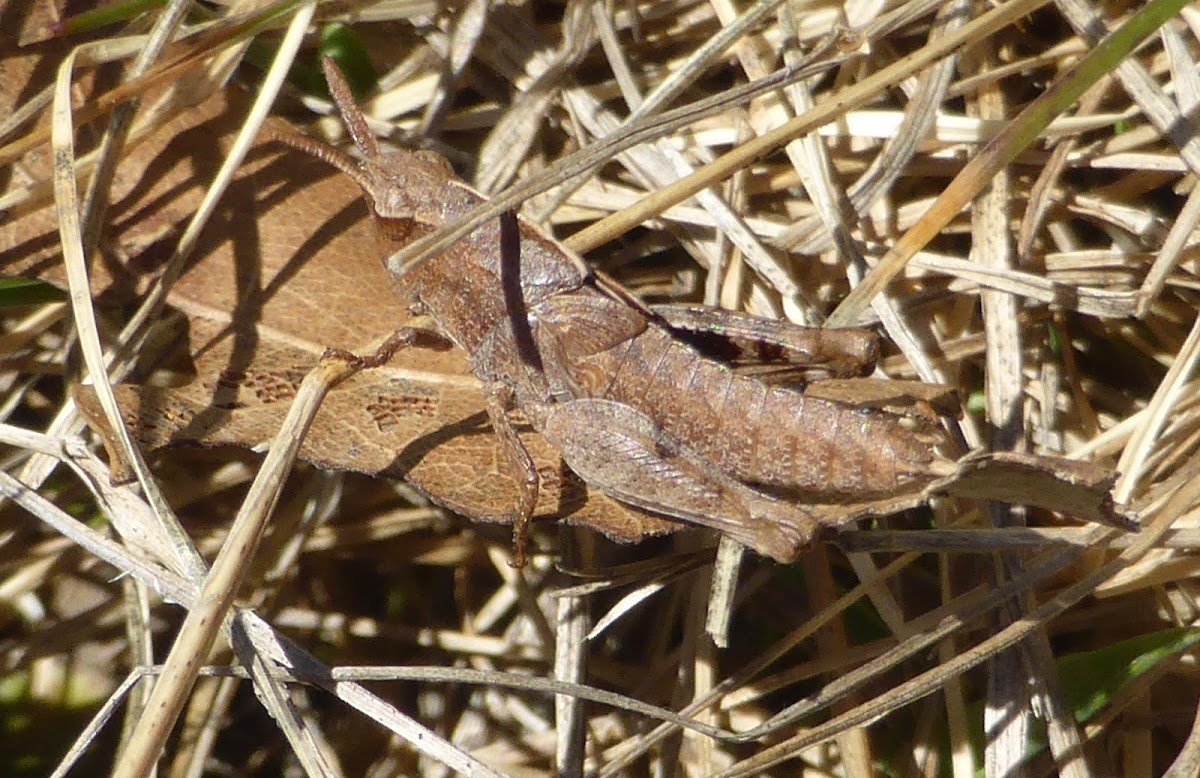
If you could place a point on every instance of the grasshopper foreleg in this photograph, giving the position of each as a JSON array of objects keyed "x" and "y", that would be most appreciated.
[{"x": 404, "y": 337}]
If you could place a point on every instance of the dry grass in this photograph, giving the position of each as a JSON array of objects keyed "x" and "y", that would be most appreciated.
[{"x": 1061, "y": 305}]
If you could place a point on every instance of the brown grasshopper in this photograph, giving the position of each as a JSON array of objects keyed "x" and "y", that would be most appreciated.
[{"x": 637, "y": 400}]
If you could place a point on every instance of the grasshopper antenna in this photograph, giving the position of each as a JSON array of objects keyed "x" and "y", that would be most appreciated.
[
  {"x": 354, "y": 121},
  {"x": 352, "y": 115}
]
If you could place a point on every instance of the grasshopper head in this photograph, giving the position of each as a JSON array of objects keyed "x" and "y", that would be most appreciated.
[
  {"x": 406, "y": 189},
  {"x": 406, "y": 185}
]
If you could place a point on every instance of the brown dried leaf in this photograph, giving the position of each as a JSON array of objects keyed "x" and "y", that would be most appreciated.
[{"x": 287, "y": 268}]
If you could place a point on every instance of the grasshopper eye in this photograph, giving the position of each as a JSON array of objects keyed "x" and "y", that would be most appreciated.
[
  {"x": 433, "y": 159},
  {"x": 390, "y": 197}
]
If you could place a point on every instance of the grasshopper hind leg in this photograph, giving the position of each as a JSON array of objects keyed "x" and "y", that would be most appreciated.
[{"x": 620, "y": 451}]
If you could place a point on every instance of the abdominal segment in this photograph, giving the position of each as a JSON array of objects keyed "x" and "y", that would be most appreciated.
[{"x": 771, "y": 437}]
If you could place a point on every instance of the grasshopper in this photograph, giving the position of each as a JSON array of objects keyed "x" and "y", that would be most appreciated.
[{"x": 642, "y": 403}]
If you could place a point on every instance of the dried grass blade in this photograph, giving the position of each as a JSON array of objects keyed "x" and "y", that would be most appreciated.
[
  {"x": 634, "y": 748},
  {"x": 151, "y": 306},
  {"x": 175, "y": 588},
  {"x": 570, "y": 665},
  {"x": 809, "y": 236},
  {"x": 97, "y": 723},
  {"x": 1187, "y": 80},
  {"x": 822, "y": 114},
  {"x": 930, "y": 681},
  {"x": 199, "y": 630},
  {"x": 1140, "y": 85},
  {"x": 1003, "y": 149},
  {"x": 67, "y": 201},
  {"x": 583, "y": 161},
  {"x": 95, "y": 202}
]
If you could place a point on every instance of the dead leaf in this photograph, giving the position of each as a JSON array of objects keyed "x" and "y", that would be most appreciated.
[{"x": 287, "y": 268}]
